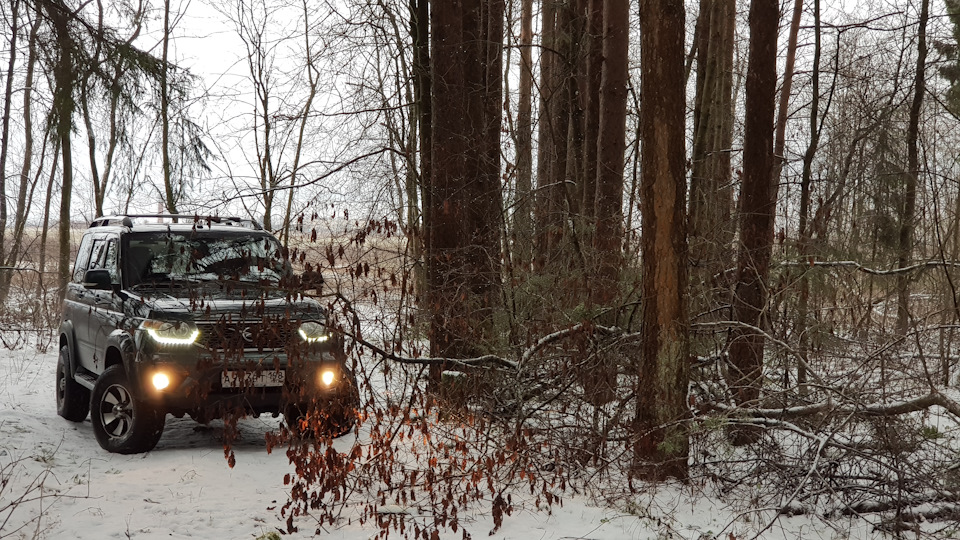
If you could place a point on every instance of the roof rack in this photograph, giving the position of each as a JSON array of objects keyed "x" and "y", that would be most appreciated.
[{"x": 126, "y": 220}]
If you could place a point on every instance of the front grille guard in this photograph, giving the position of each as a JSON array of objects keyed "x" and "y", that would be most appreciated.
[{"x": 246, "y": 336}]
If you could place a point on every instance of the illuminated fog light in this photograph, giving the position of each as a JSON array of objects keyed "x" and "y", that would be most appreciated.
[
  {"x": 328, "y": 376},
  {"x": 160, "y": 381}
]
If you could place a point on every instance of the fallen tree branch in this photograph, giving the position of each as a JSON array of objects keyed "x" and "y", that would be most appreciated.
[
  {"x": 874, "y": 507},
  {"x": 945, "y": 509},
  {"x": 934, "y": 398},
  {"x": 487, "y": 359},
  {"x": 833, "y": 440},
  {"x": 873, "y": 271}
]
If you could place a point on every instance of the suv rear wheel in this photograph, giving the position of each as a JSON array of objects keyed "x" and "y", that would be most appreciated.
[
  {"x": 333, "y": 417},
  {"x": 73, "y": 400},
  {"x": 122, "y": 423}
]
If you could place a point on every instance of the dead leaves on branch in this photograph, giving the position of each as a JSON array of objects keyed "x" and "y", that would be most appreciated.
[{"x": 841, "y": 448}]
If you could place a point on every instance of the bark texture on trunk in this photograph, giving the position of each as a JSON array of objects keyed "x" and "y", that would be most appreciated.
[
  {"x": 757, "y": 204},
  {"x": 463, "y": 249},
  {"x": 554, "y": 124},
  {"x": 522, "y": 217},
  {"x": 611, "y": 143},
  {"x": 170, "y": 197},
  {"x": 662, "y": 446},
  {"x": 911, "y": 176},
  {"x": 62, "y": 122},
  {"x": 711, "y": 191}
]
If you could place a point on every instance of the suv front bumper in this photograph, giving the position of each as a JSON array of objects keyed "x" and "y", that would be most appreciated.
[{"x": 193, "y": 381}]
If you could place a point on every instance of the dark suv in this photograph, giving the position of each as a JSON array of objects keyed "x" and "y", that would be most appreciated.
[{"x": 193, "y": 315}]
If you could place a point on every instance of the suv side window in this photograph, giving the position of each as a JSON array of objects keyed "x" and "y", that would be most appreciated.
[
  {"x": 96, "y": 254},
  {"x": 83, "y": 258},
  {"x": 109, "y": 262},
  {"x": 104, "y": 255}
]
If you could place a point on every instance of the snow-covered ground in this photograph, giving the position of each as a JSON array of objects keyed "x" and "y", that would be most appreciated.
[{"x": 58, "y": 483}]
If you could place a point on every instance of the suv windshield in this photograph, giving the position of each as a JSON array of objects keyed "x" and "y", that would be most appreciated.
[{"x": 198, "y": 256}]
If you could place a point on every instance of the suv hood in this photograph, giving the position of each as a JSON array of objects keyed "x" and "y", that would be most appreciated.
[{"x": 243, "y": 304}]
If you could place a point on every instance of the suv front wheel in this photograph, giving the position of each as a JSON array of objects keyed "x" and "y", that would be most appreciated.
[{"x": 122, "y": 423}]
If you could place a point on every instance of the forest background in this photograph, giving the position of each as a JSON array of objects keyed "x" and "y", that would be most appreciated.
[{"x": 710, "y": 242}]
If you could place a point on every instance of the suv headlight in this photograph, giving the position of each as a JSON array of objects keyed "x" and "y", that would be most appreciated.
[
  {"x": 313, "y": 332},
  {"x": 170, "y": 333}
]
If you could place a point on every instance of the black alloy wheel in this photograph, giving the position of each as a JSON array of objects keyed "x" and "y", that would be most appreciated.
[{"x": 123, "y": 423}]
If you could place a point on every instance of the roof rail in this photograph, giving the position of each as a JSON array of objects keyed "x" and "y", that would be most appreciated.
[{"x": 126, "y": 220}]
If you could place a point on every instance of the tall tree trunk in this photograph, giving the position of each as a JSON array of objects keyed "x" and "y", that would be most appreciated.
[
  {"x": 62, "y": 121},
  {"x": 45, "y": 225},
  {"x": 119, "y": 64},
  {"x": 113, "y": 138},
  {"x": 422, "y": 88},
  {"x": 488, "y": 214},
  {"x": 101, "y": 181},
  {"x": 662, "y": 447},
  {"x": 490, "y": 43},
  {"x": 611, "y": 144},
  {"x": 463, "y": 253},
  {"x": 98, "y": 195},
  {"x": 909, "y": 210},
  {"x": 268, "y": 179},
  {"x": 552, "y": 136},
  {"x": 593, "y": 45},
  {"x": 757, "y": 205},
  {"x": 22, "y": 208},
  {"x": 261, "y": 77},
  {"x": 169, "y": 194},
  {"x": 574, "y": 81},
  {"x": 522, "y": 224},
  {"x": 312, "y": 76},
  {"x": 5, "y": 126},
  {"x": 804, "y": 232},
  {"x": 780, "y": 139},
  {"x": 711, "y": 193}
]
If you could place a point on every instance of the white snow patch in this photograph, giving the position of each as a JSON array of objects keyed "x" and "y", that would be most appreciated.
[{"x": 58, "y": 483}]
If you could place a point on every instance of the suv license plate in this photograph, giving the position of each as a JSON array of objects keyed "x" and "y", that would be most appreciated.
[{"x": 245, "y": 379}]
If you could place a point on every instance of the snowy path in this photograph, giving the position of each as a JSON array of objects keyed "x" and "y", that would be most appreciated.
[{"x": 184, "y": 488}]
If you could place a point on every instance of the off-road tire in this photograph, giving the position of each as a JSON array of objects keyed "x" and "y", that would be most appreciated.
[
  {"x": 332, "y": 416},
  {"x": 122, "y": 422},
  {"x": 73, "y": 399}
]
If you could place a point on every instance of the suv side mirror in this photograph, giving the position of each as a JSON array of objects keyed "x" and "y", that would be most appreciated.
[{"x": 97, "y": 279}]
